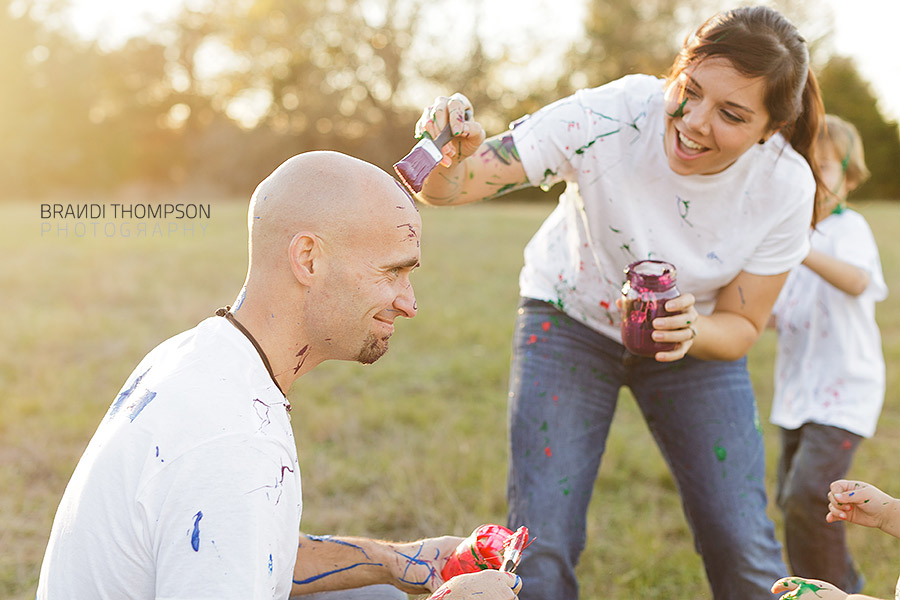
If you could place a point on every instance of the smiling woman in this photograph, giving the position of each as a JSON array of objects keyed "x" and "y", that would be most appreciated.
[
  {"x": 714, "y": 115},
  {"x": 690, "y": 171}
]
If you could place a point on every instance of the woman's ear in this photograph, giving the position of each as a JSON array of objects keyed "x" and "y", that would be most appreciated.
[
  {"x": 304, "y": 252},
  {"x": 770, "y": 133}
]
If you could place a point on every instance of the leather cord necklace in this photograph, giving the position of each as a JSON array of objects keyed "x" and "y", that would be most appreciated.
[{"x": 226, "y": 312}]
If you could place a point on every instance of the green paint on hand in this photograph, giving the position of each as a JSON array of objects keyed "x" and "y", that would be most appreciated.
[{"x": 805, "y": 586}]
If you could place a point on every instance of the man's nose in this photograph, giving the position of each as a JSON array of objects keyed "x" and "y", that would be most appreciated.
[{"x": 405, "y": 302}]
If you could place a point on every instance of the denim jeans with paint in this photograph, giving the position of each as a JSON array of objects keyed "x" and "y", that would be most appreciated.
[
  {"x": 811, "y": 458},
  {"x": 564, "y": 385}
]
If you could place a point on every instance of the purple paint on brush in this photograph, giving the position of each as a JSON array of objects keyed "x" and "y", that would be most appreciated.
[
  {"x": 416, "y": 166},
  {"x": 422, "y": 159}
]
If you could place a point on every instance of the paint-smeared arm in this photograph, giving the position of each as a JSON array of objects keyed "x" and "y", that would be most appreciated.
[
  {"x": 327, "y": 563},
  {"x": 741, "y": 314},
  {"x": 473, "y": 168}
]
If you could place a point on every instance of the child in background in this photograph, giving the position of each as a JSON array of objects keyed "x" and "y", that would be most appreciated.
[
  {"x": 855, "y": 502},
  {"x": 829, "y": 368}
]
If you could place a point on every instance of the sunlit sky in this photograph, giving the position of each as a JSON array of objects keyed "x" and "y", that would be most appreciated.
[{"x": 867, "y": 30}]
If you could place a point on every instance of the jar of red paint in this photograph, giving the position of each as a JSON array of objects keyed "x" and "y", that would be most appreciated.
[{"x": 648, "y": 285}]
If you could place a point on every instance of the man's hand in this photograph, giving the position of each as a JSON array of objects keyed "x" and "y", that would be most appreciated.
[
  {"x": 484, "y": 585},
  {"x": 806, "y": 589}
]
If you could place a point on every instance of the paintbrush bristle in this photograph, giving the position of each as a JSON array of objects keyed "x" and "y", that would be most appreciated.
[{"x": 416, "y": 166}]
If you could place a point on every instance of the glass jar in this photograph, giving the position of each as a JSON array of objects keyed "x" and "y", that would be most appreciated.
[{"x": 648, "y": 285}]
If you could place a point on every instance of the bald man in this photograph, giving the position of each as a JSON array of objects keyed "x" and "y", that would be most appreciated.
[{"x": 190, "y": 487}]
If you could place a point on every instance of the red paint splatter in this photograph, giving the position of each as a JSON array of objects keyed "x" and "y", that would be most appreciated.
[
  {"x": 545, "y": 325},
  {"x": 555, "y": 399},
  {"x": 532, "y": 339},
  {"x": 846, "y": 445},
  {"x": 604, "y": 304},
  {"x": 547, "y": 451}
]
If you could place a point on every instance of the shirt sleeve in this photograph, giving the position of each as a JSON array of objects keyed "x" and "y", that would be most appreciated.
[
  {"x": 546, "y": 141},
  {"x": 552, "y": 142},
  {"x": 224, "y": 521},
  {"x": 787, "y": 241}
]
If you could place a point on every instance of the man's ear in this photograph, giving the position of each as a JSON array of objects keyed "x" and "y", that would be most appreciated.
[{"x": 304, "y": 253}]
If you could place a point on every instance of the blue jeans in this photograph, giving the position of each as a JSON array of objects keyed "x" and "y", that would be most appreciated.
[
  {"x": 564, "y": 384},
  {"x": 811, "y": 458}
]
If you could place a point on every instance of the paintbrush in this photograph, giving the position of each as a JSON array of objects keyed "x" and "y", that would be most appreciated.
[
  {"x": 513, "y": 552},
  {"x": 423, "y": 158}
]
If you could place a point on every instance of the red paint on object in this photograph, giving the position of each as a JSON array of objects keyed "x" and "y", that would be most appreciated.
[
  {"x": 545, "y": 325},
  {"x": 846, "y": 445},
  {"x": 441, "y": 593},
  {"x": 483, "y": 549},
  {"x": 547, "y": 451},
  {"x": 532, "y": 339}
]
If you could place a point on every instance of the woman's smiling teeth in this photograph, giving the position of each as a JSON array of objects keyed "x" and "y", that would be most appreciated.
[{"x": 689, "y": 143}]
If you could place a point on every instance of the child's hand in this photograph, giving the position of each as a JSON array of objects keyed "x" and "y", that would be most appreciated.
[
  {"x": 864, "y": 504},
  {"x": 806, "y": 589}
]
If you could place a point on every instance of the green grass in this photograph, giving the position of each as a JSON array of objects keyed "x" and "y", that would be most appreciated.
[{"x": 412, "y": 446}]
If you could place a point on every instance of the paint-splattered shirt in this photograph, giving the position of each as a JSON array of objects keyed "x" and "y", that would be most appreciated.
[
  {"x": 190, "y": 487},
  {"x": 829, "y": 368},
  {"x": 623, "y": 203}
]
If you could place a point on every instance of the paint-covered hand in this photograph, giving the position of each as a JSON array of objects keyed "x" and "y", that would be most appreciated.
[
  {"x": 416, "y": 567},
  {"x": 806, "y": 589},
  {"x": 456, "y": 111},
  {"x": 484, "y": 585},
  {"x": 864, "y": 504},
  {"x": 679, "y": 328}
]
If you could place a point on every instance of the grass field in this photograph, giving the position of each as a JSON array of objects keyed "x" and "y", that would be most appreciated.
[{"x": 412, "y": 446}]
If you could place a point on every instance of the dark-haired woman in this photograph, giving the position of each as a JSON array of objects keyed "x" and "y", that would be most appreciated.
[{"x": 709, "y": 169}]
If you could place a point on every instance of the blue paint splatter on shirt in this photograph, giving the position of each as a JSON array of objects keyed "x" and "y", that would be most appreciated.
[
  {"x": 195, "y": 535},
  {"x": 140, "y": 404},
  {"x": 124, "y": 394},
  {"x": 270, "y": 564}
]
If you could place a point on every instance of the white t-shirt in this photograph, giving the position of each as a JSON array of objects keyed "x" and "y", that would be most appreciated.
[
  {"x": 830, "y": 368},
  {"x": 190, "y": 487},
  {"x": 607, "y": 144}
]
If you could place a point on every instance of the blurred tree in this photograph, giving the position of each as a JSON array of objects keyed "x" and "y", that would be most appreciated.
[
  {"x": 78, "y": 118},
  {"x": 849, "y": 96},
  {"x": 225, "y": 92},
  {"x": 329, "y": 70}
]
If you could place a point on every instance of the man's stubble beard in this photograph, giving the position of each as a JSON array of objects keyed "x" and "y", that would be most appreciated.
[{"x": 373, "y": 348}]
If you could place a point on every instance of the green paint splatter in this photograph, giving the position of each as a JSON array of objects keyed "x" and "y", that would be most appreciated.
[
  {"x": 721, "y": 453},
  {"x": 805, "y": 586},
  {"x": 544, "y": 426},
  {"x": 678, "y": 112}
]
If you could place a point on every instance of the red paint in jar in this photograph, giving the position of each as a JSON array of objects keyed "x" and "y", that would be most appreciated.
[{"x": 649, "y": 284}]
